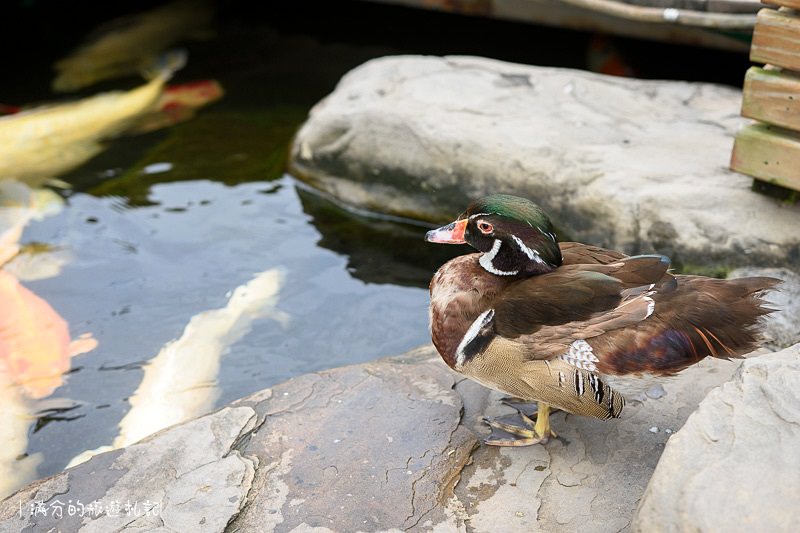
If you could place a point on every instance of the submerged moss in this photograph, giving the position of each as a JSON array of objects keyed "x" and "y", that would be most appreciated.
[{"x": 227, "y": 146}]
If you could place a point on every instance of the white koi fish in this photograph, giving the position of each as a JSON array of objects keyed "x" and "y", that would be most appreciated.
[{"x": 180, "y": 381}]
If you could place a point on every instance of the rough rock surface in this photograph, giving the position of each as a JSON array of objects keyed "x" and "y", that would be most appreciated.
[
  {"x": 389, "y": 445},
  {"x": 191, "y": 477},
  {"x": 735, "y": 464},
  {"x": 633, "y": 164}
]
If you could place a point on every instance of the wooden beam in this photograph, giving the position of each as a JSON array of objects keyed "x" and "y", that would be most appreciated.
[
  {"x": 795, "y": 4},
  {"x": 776, "y": 39},
  {"x": 772, "y": 96},
  {"x": 769, "y": 154}
]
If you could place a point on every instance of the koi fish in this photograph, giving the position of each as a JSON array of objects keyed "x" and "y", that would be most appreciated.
[
  {"x": 9, "y": 109},
  {"x": 35, "y": 345},
  {"x": 180, "y": 381},
  {"x": 124, "y": 46},
  {"x": 42, "y": 143},
  {"x": 177, "y": 104},
  {"x": 16, "y": 467}
]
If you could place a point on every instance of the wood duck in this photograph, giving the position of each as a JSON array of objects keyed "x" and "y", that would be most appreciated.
[{"x": 572, "y": 326}]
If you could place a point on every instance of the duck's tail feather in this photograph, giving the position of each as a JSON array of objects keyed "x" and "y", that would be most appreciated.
[
  {"x": 701, "y": 317},
  {"x": 728, "y": 317}
]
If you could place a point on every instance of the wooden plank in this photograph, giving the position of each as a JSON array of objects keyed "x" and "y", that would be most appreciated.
[
  {"x": 723, "y": 6},
  {"x": 795, "y": 4},
  {"x": 769, "y": 154},
  {"x": 776, "y": 39},
  {"x": 772, "y": 96}
]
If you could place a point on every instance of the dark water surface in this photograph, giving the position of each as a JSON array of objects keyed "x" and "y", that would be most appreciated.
[{"x": 138, "y": 275}]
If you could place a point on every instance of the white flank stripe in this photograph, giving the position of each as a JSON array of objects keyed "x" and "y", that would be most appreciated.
[
  {"x": 651, "y": 306},
  {"x": 483, "y": 319}
]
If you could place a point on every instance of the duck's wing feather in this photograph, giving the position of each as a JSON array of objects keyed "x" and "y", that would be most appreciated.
[
  {"x": 659, "y": 328},
  {"x": 576, "y": 253},
  {"x": 577, "y": 294}
]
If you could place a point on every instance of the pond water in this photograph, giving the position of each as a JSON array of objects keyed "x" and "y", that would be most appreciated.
[
  {"x": 201, "y": 269},
  {"x": 136, "y": 276}
]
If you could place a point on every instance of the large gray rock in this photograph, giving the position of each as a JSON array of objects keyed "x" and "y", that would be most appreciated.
[
  {"x": 735, "y": 465},
  {"x": 637, "y": 165},
  {"x": 387, "y": 445}
]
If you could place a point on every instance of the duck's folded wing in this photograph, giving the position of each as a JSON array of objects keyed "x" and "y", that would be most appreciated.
[
  {"x": 576, "y": 293},
  {"x": 576, "y": 253}
]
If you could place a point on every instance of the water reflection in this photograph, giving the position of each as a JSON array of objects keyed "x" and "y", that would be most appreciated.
[{"x": 378, "y": 250}]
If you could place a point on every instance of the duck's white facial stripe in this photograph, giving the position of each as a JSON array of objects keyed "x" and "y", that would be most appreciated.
[
  {"x": 581, "y": 355},
  {"x": 533, "y": 255},
  {"x": 483, "y": 319},
  {"x": 551, "y": 236},
  {"x": 487, "y": 258}
]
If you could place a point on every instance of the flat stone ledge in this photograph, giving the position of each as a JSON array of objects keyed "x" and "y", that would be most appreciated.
[
  {"x": 186, "y": 478},
  {"x": 388, "y": 445}
]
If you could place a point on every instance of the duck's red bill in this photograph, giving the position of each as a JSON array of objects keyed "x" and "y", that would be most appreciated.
[{"x": 452, "y": 233}]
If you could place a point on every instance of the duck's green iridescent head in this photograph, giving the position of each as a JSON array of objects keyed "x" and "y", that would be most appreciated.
[{"x": 514, "y": 234}]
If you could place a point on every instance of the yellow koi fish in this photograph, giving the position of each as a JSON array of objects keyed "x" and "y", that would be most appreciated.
[
  {"x": 40, "y": 144},
  {"x": 124, "y": 46}
]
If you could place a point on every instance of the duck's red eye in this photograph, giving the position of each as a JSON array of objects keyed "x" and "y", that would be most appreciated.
[{"x": 485, "y": 227}]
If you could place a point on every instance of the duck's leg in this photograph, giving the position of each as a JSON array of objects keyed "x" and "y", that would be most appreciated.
[
  {"x": 542, "y": 427},
  {"x": 529, "y": 433}
]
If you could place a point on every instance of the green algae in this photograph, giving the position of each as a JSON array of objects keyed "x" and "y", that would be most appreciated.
[{"x": 228, "y": 146}]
